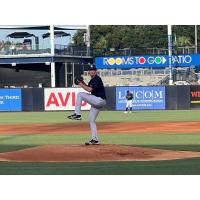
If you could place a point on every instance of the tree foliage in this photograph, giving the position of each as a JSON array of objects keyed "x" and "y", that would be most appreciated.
[
  {"x": 126, "y": 36},
  {"x": 182, "y": 41}
]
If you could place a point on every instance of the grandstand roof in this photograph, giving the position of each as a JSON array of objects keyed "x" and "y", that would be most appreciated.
[{"x": 76, "y": 27}]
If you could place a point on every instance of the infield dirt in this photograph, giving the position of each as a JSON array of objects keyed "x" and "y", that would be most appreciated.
[{"x": 114, "y": 127}]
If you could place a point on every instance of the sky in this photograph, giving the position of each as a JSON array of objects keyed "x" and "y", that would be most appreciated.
[{"x": 43, "y": 42}]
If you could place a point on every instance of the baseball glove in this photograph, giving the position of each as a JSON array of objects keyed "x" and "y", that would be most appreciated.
[{"x": 77, "y": 80}]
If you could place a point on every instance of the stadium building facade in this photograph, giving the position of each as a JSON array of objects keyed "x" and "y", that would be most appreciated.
[{"x": 31, "y": 64}]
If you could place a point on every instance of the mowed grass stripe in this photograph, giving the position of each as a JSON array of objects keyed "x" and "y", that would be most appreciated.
[
  {"x": 9, "y": 148},
  {"x": 176, "y": 167},
  {"x": 104, "y": 116},
  {"x": 124, "y": 139}
]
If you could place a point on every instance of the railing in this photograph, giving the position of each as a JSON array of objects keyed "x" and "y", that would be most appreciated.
[
  {"x": 22, "y": 49},
  {"x": 82, "y": 51},
  {"x": 145, "y": 51},
  {"x": 71, "y": 50},
  {"x": 182, "y": 74}
]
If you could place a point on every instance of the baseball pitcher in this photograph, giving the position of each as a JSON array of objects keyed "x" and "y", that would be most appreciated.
[{"x": 96, "y": 98}]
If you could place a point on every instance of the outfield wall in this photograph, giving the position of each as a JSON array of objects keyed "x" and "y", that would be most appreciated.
[{"x": 145, "y": 98}]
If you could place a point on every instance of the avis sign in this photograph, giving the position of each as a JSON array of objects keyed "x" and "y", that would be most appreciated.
[{"x": 63, "y": 99}]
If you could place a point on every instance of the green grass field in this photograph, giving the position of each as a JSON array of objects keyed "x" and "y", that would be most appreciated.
[
  {"x": 174, "y": 141},
  {"x": 106, "y": 116}
]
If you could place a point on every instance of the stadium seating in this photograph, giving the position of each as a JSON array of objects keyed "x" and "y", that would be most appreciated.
[
  {"x": 145, "y": 77},
  {"x": 112, "y": 77}
]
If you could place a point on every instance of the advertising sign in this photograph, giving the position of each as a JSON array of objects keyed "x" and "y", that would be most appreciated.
[
  {"x": 62, "y": 99},
  {"x": 194, "y": 96},
  {"x": 144, "y": 98},
  {"x": 158, "y": 61},
  {"x": 10, "y": 100}
]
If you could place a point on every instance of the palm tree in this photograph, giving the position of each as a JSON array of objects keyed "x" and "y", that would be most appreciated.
[{"x": 183, "y": 42}]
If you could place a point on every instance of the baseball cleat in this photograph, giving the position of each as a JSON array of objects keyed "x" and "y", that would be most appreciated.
[
  {"x": 125, "y": 112},
  {"x": 71, "y": 116},
  {"x": 92, "y": 142},
  {"x": 74, "y": 117}
]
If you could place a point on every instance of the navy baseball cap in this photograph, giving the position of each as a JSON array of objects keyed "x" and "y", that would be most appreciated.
[{"x": 92, "y": 67}]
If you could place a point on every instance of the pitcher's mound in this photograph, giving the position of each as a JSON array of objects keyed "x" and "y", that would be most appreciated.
[{"x": 97, "y": 153}]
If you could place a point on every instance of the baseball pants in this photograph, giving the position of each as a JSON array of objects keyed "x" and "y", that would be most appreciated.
[
  {"x": 96, "y": 104},
  {"x": 129, "y": 104}
]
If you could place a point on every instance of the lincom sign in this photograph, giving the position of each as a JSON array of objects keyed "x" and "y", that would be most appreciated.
[
  {"x": 144, "y": 98},
  {"x": 63, "y": 99}
]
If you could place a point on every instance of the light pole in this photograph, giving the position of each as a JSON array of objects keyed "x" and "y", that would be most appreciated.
[
  {"x": 170, "y": 54},
  {"x": 88, "y": 40},
  {"x": 196, "y": 44},
  {"x": 53, "y": 73}
]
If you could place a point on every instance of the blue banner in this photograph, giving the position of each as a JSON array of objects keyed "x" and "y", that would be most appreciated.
[
  {"x": 158, "y": 61},
  {"x": 10, "y": 100},
  {"x": 144, "y": 98}
]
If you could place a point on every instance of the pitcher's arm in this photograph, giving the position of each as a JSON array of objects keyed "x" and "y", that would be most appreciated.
[{"x": 85, "y": 87}]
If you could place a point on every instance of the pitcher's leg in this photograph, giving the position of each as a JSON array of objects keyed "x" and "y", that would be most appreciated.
[
  {"x": 78, "y": 103},
  {"x": 80, "y": 97},
  {"x": 90, "y": 99},
  {"x": 92, "y": 117}
]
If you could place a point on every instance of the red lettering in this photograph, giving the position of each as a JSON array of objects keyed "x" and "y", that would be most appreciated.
[
  {"x": 52, "y": 100},
  {"x": 74, "y": 102},
  {"x": 73, "y": 99},
  {"x": 195, "y": 94},
  {"x": 64, "y": 101},
  {"x": 84, "y": 103}
]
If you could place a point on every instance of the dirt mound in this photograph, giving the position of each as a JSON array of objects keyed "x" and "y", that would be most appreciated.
[
  {"x": 103, "y": 127},
  {"x": 98, "y": 153}
]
